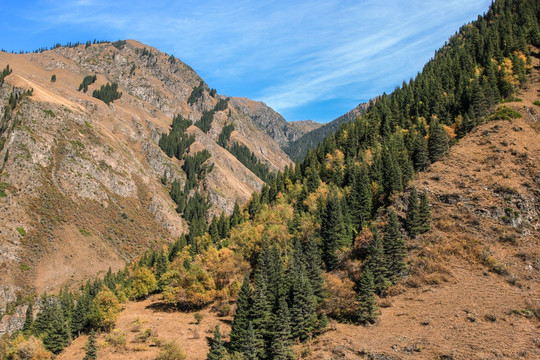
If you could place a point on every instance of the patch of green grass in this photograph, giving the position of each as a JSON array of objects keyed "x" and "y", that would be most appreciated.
[
  {"x": 537, "y": 103},
  {"x": 3, "y": 187},
  {"x": 21, "y": 231},
  {"x": 85, "y": 232},
  {"x": 88, "y": 125},
  {"x": 24, "y": 267},
  {"x": 504, "y": 101},
  {"x": 49, "y": 113},
  {"x": 505, "y": 113}
]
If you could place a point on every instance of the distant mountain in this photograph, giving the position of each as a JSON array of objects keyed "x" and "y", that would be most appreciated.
[
  {"x": 272, "y": 123},
  {"x": 297, "y": 149}
]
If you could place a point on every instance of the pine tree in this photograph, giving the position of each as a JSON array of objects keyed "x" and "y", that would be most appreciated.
[
  {"x": 44, "y": 316},
  {"x": 361, "y": 197},
  {"x": 313, "y": 181},
  {"x": 367, "y": 308},
  {"x": 261, "y": 308},
  {"x": 420, "y": 153},
  {"x": 377, "y": 264},
  {"x": 411, "y": 221},
  {"x": 253, "y": 345},
  {"x": 162, "y": 264},
  {"x": 235, "y": 217},
  {"x": 90, "y": 347},
  {"x": 302, "y": 304},
  {"x": 437, "y": 142},
  {"x": 424, "y": 214},
  {"x": 217, "y": 349},
  {"x": 314, "y": 268},
  {"x": 280, "y": 346},
  {"x": 332, "y": 230},
  {"x": 29, "y": 318},
  {"x": 241, "y": 321},
  {"x": 79, "y": 319},
  {"x": 394, "y": 248},
  {"x": 58, "y": 336}
]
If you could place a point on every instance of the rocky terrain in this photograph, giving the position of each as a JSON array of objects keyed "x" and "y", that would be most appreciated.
[{"x": 82, "y": 181}]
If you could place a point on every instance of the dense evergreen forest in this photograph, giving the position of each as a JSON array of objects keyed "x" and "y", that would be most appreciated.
[{"x": 322, "y": 239}]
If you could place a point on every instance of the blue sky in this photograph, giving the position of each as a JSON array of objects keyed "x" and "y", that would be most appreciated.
[{"x": 309, "y": 59}]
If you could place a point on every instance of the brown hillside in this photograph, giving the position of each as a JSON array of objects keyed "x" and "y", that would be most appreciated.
[
  {"x": 81, "y": 181},
  {"x": 474, "y": 288}
]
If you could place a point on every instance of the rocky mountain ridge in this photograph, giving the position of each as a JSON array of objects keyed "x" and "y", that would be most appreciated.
[{"x": 82, "y": 181}]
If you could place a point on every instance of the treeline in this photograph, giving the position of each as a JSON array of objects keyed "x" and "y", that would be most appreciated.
[
  {"x": 205, "y": 122},
  {"x": 177, "y": 141},
  {"x": 88, "y": 80},
  {"x": 249, "y": 160},
  {"x": 107, "y": 93},
  {"x": 243, "y": 154},
  {"x": 58, "y": 45}
]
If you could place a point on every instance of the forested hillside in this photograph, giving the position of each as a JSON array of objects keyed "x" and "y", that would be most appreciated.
[{"x": 327, "y": 239}]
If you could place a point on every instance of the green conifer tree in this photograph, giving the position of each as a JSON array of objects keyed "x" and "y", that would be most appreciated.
[
  {"x": 253, "y": 345},
  {"x": 437, "y": 142},
  {"x": 217, "y": 348},
  {"x": 241, "y": 321},
  {"x": 377, "y": 264},
  {"x": 280, "y": 346},
  {"x": 367, "y": 308},
  {"x": 424, "y": 214},
  {"x": 302, "y": 304},
  {"x": 90, "y": 348},
  {"x": 332, "y": 230},
  {"x": 394, "y": 248},
  {"x": 29, "y": 318},
  {"x": 58, "y": 336}
]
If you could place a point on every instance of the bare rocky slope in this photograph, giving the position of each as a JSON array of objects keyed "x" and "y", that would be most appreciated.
[{"x": 81, "y": 181}]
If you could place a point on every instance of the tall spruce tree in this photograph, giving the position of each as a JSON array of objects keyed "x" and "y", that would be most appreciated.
[
  {"x": 280, "y": 346},
  {"x": 90, "y": 348},
  {"x": 377, "y": 264},
  {"x": 367, "y": 307},
  {"x": 58, "y": 336},
  {"x": 241, "y": 321},
  {"x": 424, "y": 214},
  {"x": 394, "y": 248},
  {"x": 301, "y": 304},
  {"x": 332, "y": 229},
  {"x": 29, "y": 318},
  {"x": 437, "y": 141},
  {"x": 253, "y": 345},
  {"x": 217, "y": 348}
]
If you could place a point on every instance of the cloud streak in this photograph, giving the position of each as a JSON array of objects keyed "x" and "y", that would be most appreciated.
[{"x": 291, "y": 55}]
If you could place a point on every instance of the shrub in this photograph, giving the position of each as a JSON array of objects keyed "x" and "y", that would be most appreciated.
[
  {"x": 198, "y": 317},
  {"x": 53, "y": 78},
  {"x": 171, "y": 351},
  {"x": 224, "y": 310}
]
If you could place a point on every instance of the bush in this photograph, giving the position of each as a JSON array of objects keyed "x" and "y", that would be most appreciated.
[
  {"x": 171, "y": 351},
  {"x": 224, "y": 310},
  {"x": 198, "y": 317},
  {"x": 117, "y": 339},
  {"x": 53, "y": 78}
]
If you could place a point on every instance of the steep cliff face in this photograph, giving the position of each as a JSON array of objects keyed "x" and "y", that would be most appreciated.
[
  {"x": 81, "y": 182},
  {"x": 272, "y": 123}
]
